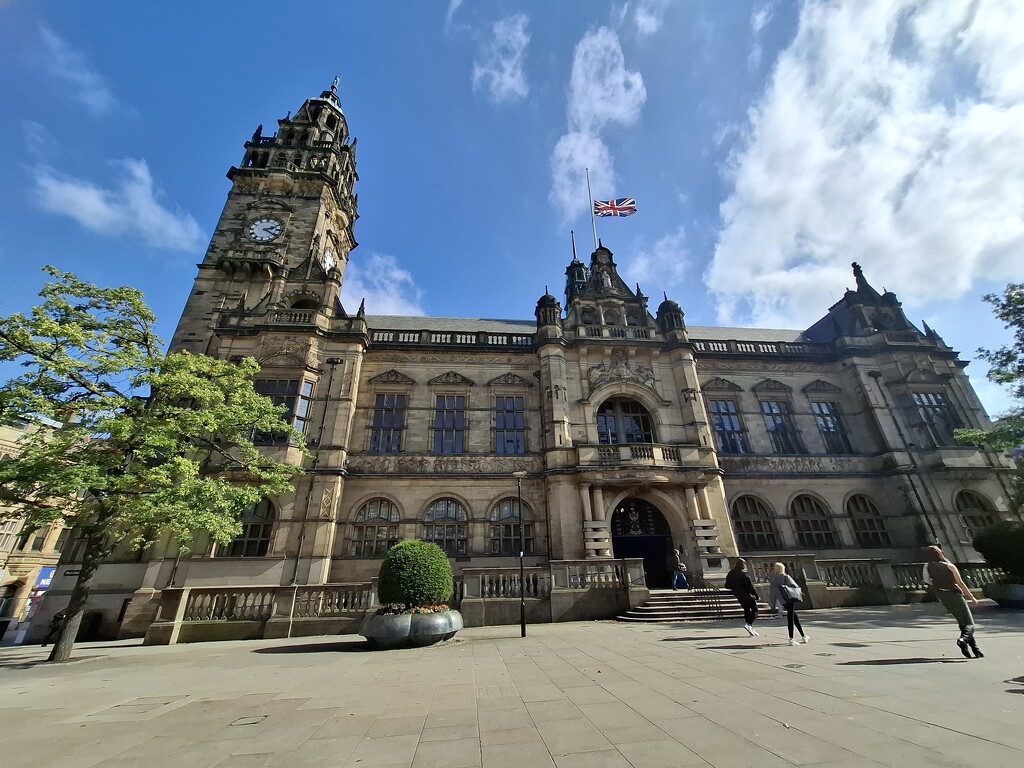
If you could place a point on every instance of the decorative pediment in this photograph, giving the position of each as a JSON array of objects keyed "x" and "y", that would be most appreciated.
[
  {"x": 771, "y": 385},
  {"x": 451, "y": 378},
  {"x": 819, "y": 386},
  {"x": 391, "y": 377},
  {"x": 509, "y": 380},
  {"x": 282, "y": 353},
  {"x": 923, "y": 376},
  {"x": 718, "y": 384}
]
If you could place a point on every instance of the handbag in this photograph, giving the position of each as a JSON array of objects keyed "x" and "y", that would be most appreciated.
[{"x": 791, "y": 594}]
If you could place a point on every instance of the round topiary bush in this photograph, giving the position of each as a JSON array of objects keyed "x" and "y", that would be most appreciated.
[
  {"x": 1002, "y": 546},
  {"x": 415, "y": 573}
]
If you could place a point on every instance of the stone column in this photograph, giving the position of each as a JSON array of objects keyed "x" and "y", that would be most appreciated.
[
  {"x": 597, "y": 530},
  {"x": 588, "y": 513},
  {"x": 690, "y": 499}
]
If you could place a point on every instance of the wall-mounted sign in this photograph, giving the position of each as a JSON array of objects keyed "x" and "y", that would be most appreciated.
[
  {"x": 45, "y": 577},
  {"x": 71, "y": 572}
]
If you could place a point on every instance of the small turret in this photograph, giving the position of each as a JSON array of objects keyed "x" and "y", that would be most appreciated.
[
  {"x": 549, "y": 316},
  {"x": 671, "y": 318}
]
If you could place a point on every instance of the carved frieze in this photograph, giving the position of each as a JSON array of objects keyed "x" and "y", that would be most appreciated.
[
  {"x": 441, "y": 465},
  {"x": 727, "y": 366},
  {"x": 327, "y": 503},
  {"x": 283, "y": 351},
  {"x": 788, "y": 465},
  {"x": 620, "y": 370},
  {"x": 439, "y": 357}
]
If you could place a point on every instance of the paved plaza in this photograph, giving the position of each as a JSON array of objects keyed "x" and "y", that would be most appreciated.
[{"x": 882, "y": 686}]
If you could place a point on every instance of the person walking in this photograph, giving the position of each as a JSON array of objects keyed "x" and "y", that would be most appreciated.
[
  {"x": 54, "y": 628},
  {"x": 787, "y": 592},
  {"x": 738, "y": 582},
  {"x": 678, "y": 572},
  {"x": 953, "y": 594}
]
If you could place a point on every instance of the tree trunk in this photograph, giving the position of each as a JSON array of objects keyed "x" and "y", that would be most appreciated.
[{"x": 91, "y": 558}]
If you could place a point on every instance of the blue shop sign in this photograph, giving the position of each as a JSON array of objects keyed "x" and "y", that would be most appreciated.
[{"x": 45, "y": 577}]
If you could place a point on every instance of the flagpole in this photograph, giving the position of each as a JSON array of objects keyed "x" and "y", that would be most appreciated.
[{"x": 593, "y": 220}]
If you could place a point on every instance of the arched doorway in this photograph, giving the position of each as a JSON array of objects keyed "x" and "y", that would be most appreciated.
[{"x": 640, "y": 530}]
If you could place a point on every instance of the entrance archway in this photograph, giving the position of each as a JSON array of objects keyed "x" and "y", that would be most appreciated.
[{"x": 640, "y": 530}]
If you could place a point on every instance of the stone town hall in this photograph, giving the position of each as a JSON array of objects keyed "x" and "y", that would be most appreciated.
[{"x": 636, "y": 432}]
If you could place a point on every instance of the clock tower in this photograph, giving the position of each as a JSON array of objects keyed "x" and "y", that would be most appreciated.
[{"x": 279, "y": 252}]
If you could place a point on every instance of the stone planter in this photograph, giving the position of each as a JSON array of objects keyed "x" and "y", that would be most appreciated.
[
  {"x": 1006, "y": 595},
  {"x": 404, "y": 630}
]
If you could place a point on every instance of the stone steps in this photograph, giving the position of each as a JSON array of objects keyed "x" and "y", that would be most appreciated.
[{"x": 673, "y": 606}]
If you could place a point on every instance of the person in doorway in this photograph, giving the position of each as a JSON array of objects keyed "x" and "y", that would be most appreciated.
[
  {"x": 953, "y": 594},
  {"x": 786, "y": 591},
  {"x": 678, "y": 572},
  {"x": 738, "y": 582},
  {"x": 54, "y": 629}
]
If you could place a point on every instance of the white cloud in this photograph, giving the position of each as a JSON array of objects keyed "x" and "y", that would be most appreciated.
[
  {"x": 891, "y": 134},
  {"x": 759, "y": 18},
  {"x": 500, "y": 70},
  {"x": 79, "y": 79},
  {"x": 602, "y": 92},
  {"x": 387, "y": 288},
  {"x": 129, "y": 207},
  {"x": 648, "y": 15},
  {"x": 39, "y": 142},
  {"x": 453, "y": 6},
  {"x": 666, "y": 264}
]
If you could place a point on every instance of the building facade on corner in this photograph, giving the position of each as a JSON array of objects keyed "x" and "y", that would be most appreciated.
[{"x": 636, "y": 432}]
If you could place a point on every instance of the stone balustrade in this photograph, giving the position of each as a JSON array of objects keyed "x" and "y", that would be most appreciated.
[
  {"x": 485, "y": 583},
  {"x": 849, "y": 573},
  {"x": 639, "y": 455}
]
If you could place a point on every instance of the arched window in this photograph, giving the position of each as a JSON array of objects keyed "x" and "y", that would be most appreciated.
[
  {"x": 505, "y": 528},
  {"x": 304, "y": 304},
  {"x": 622, "y": 421},
  {"x": 254, "y": 540},
  {"x": 375, "y": 530},
  {"x": 813, "y": 526},
  {"x": 445, "y": 524},
  {"x": 976, "y": 512},
  {"x": 868, "y": 523},
  {"x": 753, "y": 525}
]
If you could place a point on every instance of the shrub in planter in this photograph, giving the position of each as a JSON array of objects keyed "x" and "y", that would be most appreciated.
[
  {"x": 1002, "y": 546},
  {"x": 415, "y": 573}
]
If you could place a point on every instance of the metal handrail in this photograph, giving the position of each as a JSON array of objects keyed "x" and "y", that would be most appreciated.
[{"x": 708, "y": 594}]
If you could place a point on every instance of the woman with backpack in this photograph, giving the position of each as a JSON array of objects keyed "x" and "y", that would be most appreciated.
[
  {"x": 787, "y": 592},
  {"x": 740, "y": 585}
]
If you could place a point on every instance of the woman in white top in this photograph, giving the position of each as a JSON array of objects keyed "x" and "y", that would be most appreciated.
[{"x": 778, "y": 580}]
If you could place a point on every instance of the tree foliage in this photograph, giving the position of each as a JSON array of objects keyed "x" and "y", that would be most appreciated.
[
  {"x": 1002, "y": 545},
  {"x": 129, "y": 444},
  {"x": 415, "y": 573},
  {"x": 1007, "y": 369}
]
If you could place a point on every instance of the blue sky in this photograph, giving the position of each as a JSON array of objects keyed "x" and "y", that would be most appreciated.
[{"x": 768, "y": 145}]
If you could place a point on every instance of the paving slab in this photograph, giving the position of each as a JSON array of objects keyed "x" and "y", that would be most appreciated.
[{"x": 874, "y": 687}]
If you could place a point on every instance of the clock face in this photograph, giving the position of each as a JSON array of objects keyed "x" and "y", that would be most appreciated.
[
  {"x": 330, "y": 261},
  {"x": 265, "y": 230}
]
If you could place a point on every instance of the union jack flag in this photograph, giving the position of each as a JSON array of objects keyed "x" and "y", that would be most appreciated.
[{"x": 624, "y": 206}]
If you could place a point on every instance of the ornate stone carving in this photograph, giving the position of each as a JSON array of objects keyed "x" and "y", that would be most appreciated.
[
  {"x": 720, "y": 384},
  {"x": 327, "y": 503},
  {"x": 443, "y": 465},
  {"x": 620, "y": 370},
  {"x": 771, "y": 385},
  {"x": 292, "y": 350},
  {"x": 509, "y": 380},
  {"x": 728, "y": 366},
  {"x": 821, "y": 465},
  {"x": 392, "y": 377},
  {"x": 451, "y": 377},
  {"x": 446, "y": 358},
  {"x": 822, "y": 386}
]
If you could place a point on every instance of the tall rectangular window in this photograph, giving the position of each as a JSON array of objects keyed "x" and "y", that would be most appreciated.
[
  {"x": 450, "y": 424},
  {"x": 509, "y": 425},
  {"x": 779, "y": 423},
  {"x": 831, "y": 427},
  {"x": 725, "y": 420},
  {"x": 937, "y": 417},
  {"x": 388, "y": 421},
  {"x": 295, "y": 396}
]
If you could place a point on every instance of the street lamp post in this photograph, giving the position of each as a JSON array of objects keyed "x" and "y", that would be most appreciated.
[{"x": 522, "y": 552}]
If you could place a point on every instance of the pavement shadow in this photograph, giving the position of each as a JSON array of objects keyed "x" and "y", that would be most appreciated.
[
  {"x": 1015, "y": 681},
  {"x": 890, "y": 662},
  {"x": 335, "y": 646},
  {"x": 697, "y": 639}
]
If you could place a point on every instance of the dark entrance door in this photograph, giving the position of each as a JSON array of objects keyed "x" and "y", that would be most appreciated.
[{"x": 640, "y": 530}]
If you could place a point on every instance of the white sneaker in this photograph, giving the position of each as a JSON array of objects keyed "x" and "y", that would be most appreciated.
[
  {"x": 794, "y": 642},
  {"x": 750, "y": 630},
  {"x": 807, "y": 638}
]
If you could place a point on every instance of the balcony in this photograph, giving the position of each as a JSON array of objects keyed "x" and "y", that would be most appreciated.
[{"x": 638, "y": 455}]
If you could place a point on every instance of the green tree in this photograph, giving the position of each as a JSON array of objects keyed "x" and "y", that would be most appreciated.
[
  {"x": 131, "y": 444},
  {"x": 1008, "y": 369}
]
